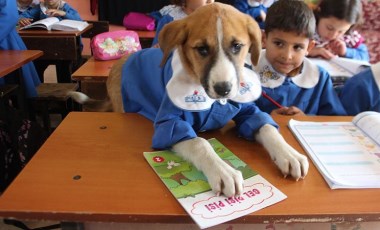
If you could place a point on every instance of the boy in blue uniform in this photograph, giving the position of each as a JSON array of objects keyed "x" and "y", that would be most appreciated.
[
  {"x": 10, "y": 40},
  {"x": 286, "y": 75},
  {"x": 362, "y": 91}
]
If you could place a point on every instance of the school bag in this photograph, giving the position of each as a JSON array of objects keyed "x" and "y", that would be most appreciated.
[{"x": 114, "y": 44}]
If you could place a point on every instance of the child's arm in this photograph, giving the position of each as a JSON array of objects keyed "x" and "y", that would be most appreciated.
[
  {"x": 29, "y": 16},
  {"x": 290, "y": 111},
  {"x": 359, "y": 53},
  {"x": 70, "y": 13}
]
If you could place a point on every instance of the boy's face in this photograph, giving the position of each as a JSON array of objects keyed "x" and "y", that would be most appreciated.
[
  {"x": 285, "y": 51},
  {"x": 332, "y": 28}
]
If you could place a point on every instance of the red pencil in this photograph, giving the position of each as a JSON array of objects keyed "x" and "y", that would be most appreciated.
[{"x": 271, "y": 99}]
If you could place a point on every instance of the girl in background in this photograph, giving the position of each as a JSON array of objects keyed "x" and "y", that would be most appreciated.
[
  {"x": 179, "y": 10},
  {"x": 334, "y": 34}
]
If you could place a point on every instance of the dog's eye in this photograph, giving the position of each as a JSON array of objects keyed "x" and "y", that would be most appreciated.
[
  {"x": 203, "y": 50},
  {"x": 236, "y": 47}
]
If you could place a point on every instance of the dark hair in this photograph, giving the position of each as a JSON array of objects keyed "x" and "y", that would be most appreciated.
[
  {"x": 290, "y": 16},
  {"x": 347, "y": 10}
]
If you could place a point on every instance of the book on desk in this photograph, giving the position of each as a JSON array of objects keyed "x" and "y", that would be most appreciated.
[
  {"x": 347, "y": 154},
  {"x": 340, "y": 69},
  {"x": 190, "y": 187},
  {"x": 53, "y": 23}
]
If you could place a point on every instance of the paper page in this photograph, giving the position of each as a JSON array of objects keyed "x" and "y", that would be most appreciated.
[
  {"x": 369, "y": 122},
  {"x": 332, "y": 68},
  {"x": 45, "y": 23},
  {"x": 190, "y": 187},
  {"x": 70, "y": 25},
  {"x": 351, "y": 65},
  {"x": 344, "y": 155}
]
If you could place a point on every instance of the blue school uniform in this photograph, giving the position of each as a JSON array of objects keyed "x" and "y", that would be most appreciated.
[
  {"x": 38, "y": 12},
  {"x": 174, "y": 13},
  {"x": 311, "y": 90},
  {"x": 362, "y": 91},
  {"x": 253, "y": 9},
  {"x": 180, "y": 107},
  {"x": 10, "y": 40}
]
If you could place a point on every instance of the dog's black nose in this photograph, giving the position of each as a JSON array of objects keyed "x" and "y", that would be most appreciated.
[{"x": 223, "y": 88}]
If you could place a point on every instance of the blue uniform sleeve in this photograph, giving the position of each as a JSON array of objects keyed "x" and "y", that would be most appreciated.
[
  {"x": 360, "y": 93},
  {"x": 359, "y": 53},
  {"x": 243, "y": 6},
  {"x": 71, "y": 13},
  {"x": 8, "y": 17},
  {"x": 33, "y": 13},
  {"x": 170, "y": 127},
  {"x": 250, "y": 119},
  {"x": 329, "y": 103},
  {"x": 161, "y": 23}
]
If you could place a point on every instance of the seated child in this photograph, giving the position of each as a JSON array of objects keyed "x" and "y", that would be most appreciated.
[
  {"x": 256, "y": 8},
  {"x": 49, "y": 8},
  {"x": 334, "y": 34},
  {"x": 179, "y": 10},
  {"x": 362, "y": 91},
  {"x": 286, "y": 75},
  {"x": 23, "y": 5}
]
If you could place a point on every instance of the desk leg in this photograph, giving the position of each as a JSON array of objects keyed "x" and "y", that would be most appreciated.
[{"x": 64, "y": 70}]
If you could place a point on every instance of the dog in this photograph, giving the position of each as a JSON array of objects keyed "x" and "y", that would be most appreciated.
[{"x": 197, "y": 81}]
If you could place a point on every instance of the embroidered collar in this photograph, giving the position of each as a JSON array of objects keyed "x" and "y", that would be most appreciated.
[
  {"x": 177, "y": 13},
  {"x": 270, "y": 78},
  {"x": 254, "y": 3},
  {"x": 375, "y": 68},
  {"x": 188, "y": 94}
]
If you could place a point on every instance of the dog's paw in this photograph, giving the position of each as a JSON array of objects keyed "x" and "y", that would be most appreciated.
[
  {"x": 288, "y": 160},
  {"x": 225, "y": 179},
  {"x": 221, "y": 176},
  {"x": 291, "y": 163}
]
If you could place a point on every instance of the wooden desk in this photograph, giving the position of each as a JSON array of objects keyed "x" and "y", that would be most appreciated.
[
  {"x": 12, "y": 60},
  {"x": 146, "y": 38},
  {"x": 60, "y": 47},
  {"x": 92, "y": 169},
  {"x": 93, "y": 70}
]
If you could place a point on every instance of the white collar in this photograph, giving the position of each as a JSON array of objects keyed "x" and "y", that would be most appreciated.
[
  {"x": 254, "y": 3},
  {"x": 270, "y": 78},
  {"x": 177, "y": 13},
  {"x": 375, "y": 68},
  {"x": 188, "y": 94}
]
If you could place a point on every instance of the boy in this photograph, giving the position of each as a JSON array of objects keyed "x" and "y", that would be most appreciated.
[
  {"x": 287, "y": 76},
  {"x": 362, "y": 91}
]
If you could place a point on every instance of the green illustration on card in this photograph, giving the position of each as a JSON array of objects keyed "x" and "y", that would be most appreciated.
[{"x": 182, "y": 178}]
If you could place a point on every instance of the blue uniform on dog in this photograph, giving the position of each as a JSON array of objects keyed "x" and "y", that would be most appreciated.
[{"x": 178, "y": 107}]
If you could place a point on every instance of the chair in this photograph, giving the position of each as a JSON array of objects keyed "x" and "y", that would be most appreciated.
[{"x": 52, "y": 98}]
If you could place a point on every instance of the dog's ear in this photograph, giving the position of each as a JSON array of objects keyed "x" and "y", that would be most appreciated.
[
  {"x": 255, "y": 36},
  {"x": 172, "y": 35}
]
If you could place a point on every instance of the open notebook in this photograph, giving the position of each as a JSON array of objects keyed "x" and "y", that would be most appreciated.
[{"x": 347, "y": 154}]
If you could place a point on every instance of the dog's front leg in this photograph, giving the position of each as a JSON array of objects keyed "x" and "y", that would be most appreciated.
[
  {"x": 221, "y": 177},
  {"x": 288, "y": 160}
]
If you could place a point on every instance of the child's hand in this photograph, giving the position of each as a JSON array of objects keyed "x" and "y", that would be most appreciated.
[
  {"x": 321, "y": 52},
  {"x": 290, "y": 111},
  {"x": 55, "y": 13},
  {"x": 25, "y": 21},
  {"x": 338, "y": 47}
]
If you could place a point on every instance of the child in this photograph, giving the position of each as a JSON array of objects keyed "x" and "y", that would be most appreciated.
[
  {"x": 334, "y": 34},
  {"x": 285, "y": 74},
  {"x": 23, "y": 5},
  {"x": 256, "y": 8},
  {"x": 179, "y": 10},
  {"x": 10, "y": 40},
  {"x": 49, "y": 8},
  {"x": 362, "y": 91}
]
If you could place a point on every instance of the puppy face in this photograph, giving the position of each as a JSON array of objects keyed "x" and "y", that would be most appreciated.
[{"x": 213, "y": 43}]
